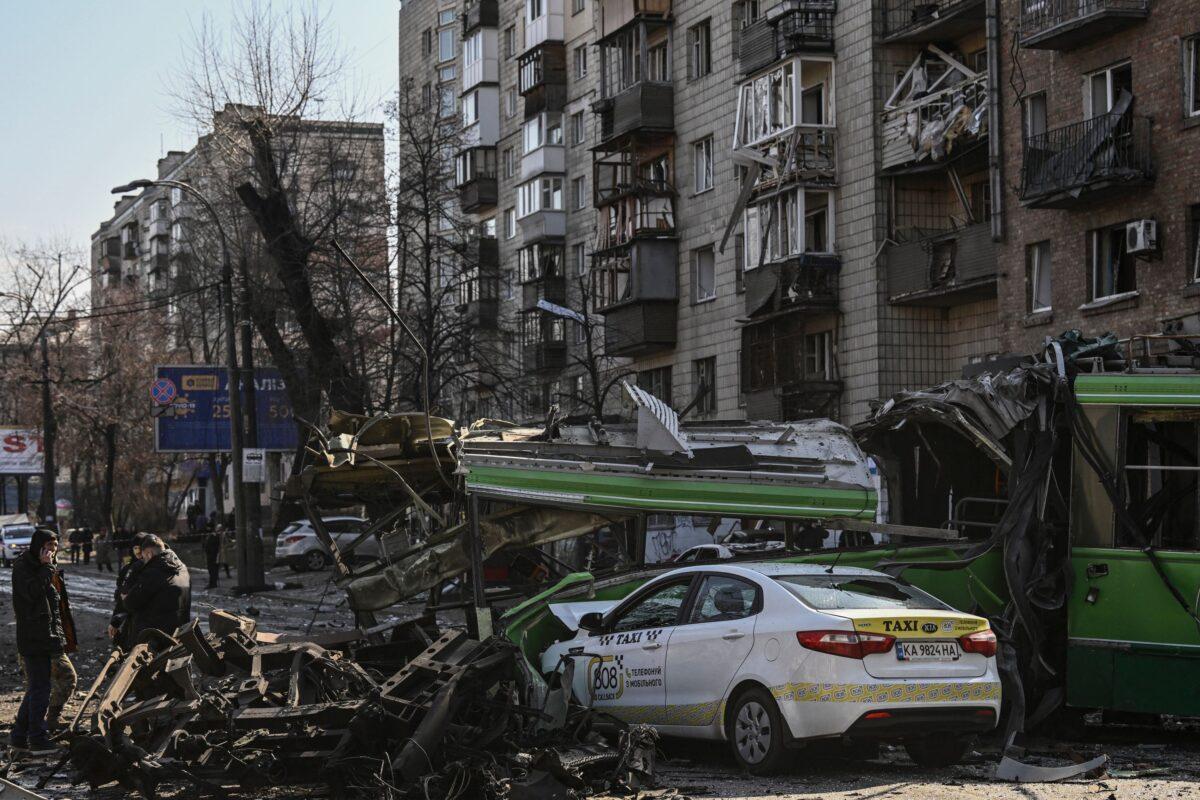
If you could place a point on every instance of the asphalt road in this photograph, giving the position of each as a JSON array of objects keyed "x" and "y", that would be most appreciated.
[{"x": 694, "y": 770}]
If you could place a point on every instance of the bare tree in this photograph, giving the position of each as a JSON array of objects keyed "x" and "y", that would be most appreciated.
[
  {"x": 447, "y": 279},
  {"x": 602, "y": 373}
]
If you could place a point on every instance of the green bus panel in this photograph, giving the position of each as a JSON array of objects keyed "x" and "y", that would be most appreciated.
[
  {"x": 1141, "y": 682},
  {"x": 732, "y": 498},
  {"x": 1129, "y": 602},
  {"x": 1120, "y": 389}
]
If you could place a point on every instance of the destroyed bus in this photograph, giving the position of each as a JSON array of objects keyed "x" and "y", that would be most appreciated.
[{"x": 1057, "y": 498}]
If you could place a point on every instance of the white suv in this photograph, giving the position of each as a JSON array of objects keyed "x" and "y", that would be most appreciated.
[
  {"x": 299, "y": 547},
  {"x": 14, "y": 541}
]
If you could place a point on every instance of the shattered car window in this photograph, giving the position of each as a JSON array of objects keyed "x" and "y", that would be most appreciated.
[
  {"x": 658, "y": 610},
  {"x": 830, "y": 592}
]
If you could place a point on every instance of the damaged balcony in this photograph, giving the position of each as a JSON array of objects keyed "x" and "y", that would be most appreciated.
[
  {"x": 943, "y": 269},
  {"x": 793, "y": 27},
  {"x": 645, "y": 106},
  {"x": 931, "y": 20},
  {"x": 542, "y": 274},
  {"x": 1066, "y": 24},
  {"x": 1097, "y": 157},
  {"x": 479, "y": 297},
  {"x": 481, "y": 14},
  {"x": 635, "y": 286},
  {"x": 939, "y": 125},
  {"x": 542, "y": 78},
  {"x": 543, "y": 341},
  {"x": 789, "y": 371},
  {"x": 110, "y": 255},
  {"x": 636, "y": 89},
  {"x": 807, "y": 282}
]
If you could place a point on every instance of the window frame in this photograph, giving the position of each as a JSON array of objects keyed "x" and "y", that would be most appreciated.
[
  {"x": 688, "y": 580},
  {"x": 1027, "y": 115},
  {"x": 697, "y": 253},
  {"x": 708, "y": 401},
  {"x": 1094, "y": 252},
  {"x": 1191, "y": 76},
  {"x": 1194, "y": 241},
  {"x": 1035, "y": 253},
  {"x": 703, "y": 147},
  {"x": 699, "y": 50},
  {"x": 579, "y": 62},
  {"x": 1107, "y": 72}
]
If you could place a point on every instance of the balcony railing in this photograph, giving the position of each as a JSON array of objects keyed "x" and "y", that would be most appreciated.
[
  {"x": 1064, "y": 24},
  {"x": 640, "y": 328},
  {"x": 1105, "y": 152},
  {"x": 645, "y": 106},
  {"x": 481, "y": 14},
  {"x": 811, "y": 158},
  {"x": 931, "y": 20},
  {"x": 806, "y": 26},
  {"x": 545, "y": 356},
  {"x": 934, "y": 128},
  {"x": 633, "y": 217},
  {"x": 481, "y": 192},
  {"x": 943, "y": 269},
  {"x": 804, "y": 283},
  {"x": 551, "y": 288}
]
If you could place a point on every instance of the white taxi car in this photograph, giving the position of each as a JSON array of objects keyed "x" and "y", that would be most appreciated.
[{"x": 768, "y": 655}]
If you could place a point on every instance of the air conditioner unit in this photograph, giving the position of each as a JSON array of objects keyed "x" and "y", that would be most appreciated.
[{"x": 1141, "y": 236}]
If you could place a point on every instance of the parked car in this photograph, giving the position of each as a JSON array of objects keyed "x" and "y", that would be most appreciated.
[
  {"x": 14, "y": 541},
  {"x": 299, "y": 547},
  {"x": 720, "y": 552},
  {"x": 768, "y": 655}
]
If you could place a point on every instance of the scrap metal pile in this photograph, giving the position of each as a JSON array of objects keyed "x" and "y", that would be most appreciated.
[{"x": 401, "y": 711}]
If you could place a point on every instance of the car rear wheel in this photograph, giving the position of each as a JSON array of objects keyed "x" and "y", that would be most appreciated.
[
  {"x": 757, "y": 733},
  {"x": 941, "y": 750},
  {"x": 315, "y": 560}
]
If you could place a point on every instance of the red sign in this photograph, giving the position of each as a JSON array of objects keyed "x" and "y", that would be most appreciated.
[{"x": 20, "y": 451}]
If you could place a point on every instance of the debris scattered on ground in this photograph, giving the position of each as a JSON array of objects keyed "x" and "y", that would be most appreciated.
[{"x": 406, "y": 711}]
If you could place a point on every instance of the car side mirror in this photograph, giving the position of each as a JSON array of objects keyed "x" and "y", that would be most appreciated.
[{"x": 592, "y": 622}]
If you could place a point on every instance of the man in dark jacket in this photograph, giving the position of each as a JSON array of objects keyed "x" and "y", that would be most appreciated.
[
  {"x": 40, "y": 637},
  {"x": 119, "y": 623},
  {"x": 212, "y": 556},
  {"x": 161, "y": 594}
]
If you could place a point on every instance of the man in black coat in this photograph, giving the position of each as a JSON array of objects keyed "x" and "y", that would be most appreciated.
[
  {"x": 161, "y": 594},
  {"x": 119, "y": 624},
  {"x": 212, "y": 555},
  {"x": 40, "y": 637}
]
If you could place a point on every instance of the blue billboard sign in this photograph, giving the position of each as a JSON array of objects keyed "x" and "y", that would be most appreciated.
[{"x": 191, "y": 410}]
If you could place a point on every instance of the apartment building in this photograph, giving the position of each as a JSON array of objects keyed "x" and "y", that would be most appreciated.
[
  {"x": 775, "y": 209},
  {"x": 1104, "y": 224},
  {"x": 161, "y": 253}
]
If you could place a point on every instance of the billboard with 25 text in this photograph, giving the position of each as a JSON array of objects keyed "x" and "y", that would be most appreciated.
[{"x": 191, "y": 410}]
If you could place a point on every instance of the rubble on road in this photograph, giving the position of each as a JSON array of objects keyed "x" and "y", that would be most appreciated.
[{"x": 404, "y": 710}]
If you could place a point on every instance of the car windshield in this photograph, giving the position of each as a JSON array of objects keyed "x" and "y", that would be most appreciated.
[
  {"x": 831, "y": 592},
  {"x": 18, "y": 532},
  {"x": 295, "y": 526}
]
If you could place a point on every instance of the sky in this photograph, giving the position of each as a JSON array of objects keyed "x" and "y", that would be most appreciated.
[{"x": 85, "y": 85}]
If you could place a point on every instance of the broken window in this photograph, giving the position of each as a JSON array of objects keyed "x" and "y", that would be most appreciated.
[
  {"x": 1160, "y": 474},
  {"x": 768, "y": 105},
  {"x": 657, "y": 382},
  {"x": 1038, "y": 276},
  {"x": 816, "y": 356},
  {"x": 1113, "y": 268},
  {"x": 704, "y": 374},
  {"x": 1104, "y": 87},
  {"x": 659, "y": 609},
  {"x": 774, "y": 224}
]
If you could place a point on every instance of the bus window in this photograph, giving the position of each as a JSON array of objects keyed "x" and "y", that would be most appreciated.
[{"x": 1161, "y": 469}]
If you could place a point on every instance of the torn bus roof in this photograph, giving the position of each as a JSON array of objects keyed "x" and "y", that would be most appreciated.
[{"x": 800, "y": 470}]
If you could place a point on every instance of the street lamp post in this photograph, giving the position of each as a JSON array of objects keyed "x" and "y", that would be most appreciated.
[{"x": 246, "y": 565}]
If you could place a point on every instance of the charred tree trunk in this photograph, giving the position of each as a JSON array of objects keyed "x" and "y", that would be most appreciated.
[{"x": 46, "y": 505}]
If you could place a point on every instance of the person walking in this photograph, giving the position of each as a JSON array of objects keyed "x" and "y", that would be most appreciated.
[
  {"x": 104, "y": 548},
  {"x": 40, "y": 638},
  {"x": 228, "y": 549},
  {"x": 212, "y": 556},
  {"x": 63, "y": 678},
  {"x": 85, "y": 542},
  {"x": 74, "y": 544},
  {"x": 160, "y": 596}
]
